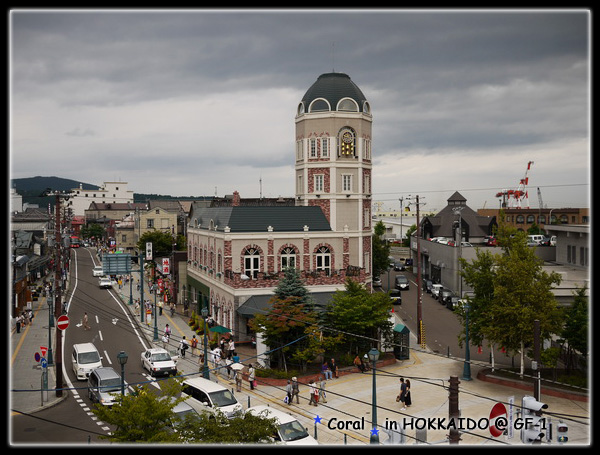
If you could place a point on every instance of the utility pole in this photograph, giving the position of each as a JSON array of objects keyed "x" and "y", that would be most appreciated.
[
  {"x": 453, "y": 409},
  {"x": 420, "y": 328},
  {"x": 537, "y": 389}
]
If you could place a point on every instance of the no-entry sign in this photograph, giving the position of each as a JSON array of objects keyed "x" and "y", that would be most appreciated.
[{"x": 62, "y": 322}]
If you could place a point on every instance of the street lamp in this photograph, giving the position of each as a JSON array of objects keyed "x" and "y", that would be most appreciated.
[
  {"x": 204, "y": 313},
  {"x": 122, "y": 358},
  {"x": 373, "y": 357}
]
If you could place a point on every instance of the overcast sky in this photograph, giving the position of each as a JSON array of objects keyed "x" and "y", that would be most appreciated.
[{"x": 198, "y": 102}]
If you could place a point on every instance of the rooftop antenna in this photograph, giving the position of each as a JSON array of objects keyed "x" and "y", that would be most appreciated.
[
  {"x": 260, "y": 185},
  {"x": 333, "y": 57}
]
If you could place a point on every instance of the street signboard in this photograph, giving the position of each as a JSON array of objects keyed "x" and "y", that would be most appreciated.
[
  {"x": 62, "y": 322},
  {"x": 116, "y": 264},
  {"x": 165, "y": 266},
  {"x": 148, "y": 251}
]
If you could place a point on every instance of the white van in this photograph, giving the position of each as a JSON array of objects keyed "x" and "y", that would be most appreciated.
[
  {"x": 98, "y": 271},
  {"x": 535, "y": 238},
  {"x": 206, "y": 395},
  {"x": 290, "y": 432},
  {"x": 85, "y": 358}
]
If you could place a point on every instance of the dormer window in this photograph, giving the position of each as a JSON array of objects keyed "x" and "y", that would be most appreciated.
[{"x": 348, "y": 105}]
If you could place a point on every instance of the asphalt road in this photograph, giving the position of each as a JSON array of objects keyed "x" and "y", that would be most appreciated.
[{"x": 442, "y": 326}]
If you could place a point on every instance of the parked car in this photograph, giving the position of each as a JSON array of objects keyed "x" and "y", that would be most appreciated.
[
  {"x": 376, "y": 282},
  {"x": 435, "y": 289},
  {"x": 490, "y": 240},
  {"x": 453, "y": 303},
  {"x": 399, "y": 266},
  {"x": 402, "y": 283},
  {"x": 290, "y": 431},
  {"x": 391, "y": 261},
  {"x": 467, "y": 244},
  {"x": 443, "y": 295},
  {"x": 408, "y": 262},
  {"x": 427, "y": 286},
  {"x": 396, "y": 296},
  {"x": 537, "y": 238},
  {"x": 158, "y": 361},
  {"x": 105, "y": 282},
  {"x": 103, "y": 384}
]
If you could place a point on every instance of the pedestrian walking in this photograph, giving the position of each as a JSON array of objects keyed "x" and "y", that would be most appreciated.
[
  {"x": 322, "y": 395},
  {"x": 408, "y": 399},
  {"x": 402, "y": 396},
  {"x": 165, "y": 341},
  {"x": 86, "y": 326},
  {"x": 251, "y": 376},
  {"x": 295, "y": 390},
  {"x": 183, "y": 346},
  {"x": 238, "y": 380},
  {"x": 288, "y": 392},
  {"x": 314, "y": 393},
  {"x": 168, "y": 331},
  {"x": 194, "y": 344},
  {"x": 18, "y": 322}
]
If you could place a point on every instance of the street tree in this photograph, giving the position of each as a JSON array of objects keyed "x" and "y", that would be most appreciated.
[
  {"x": 162, "y": 242},
  {"x": 360, "y": 316},
  {"x": 521, "y": 293},
  {"x": 576, "y": 328},
  {"x": 381, "y": 250}
]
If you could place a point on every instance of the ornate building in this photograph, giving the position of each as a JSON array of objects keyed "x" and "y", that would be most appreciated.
[{"x": 237, "y": 252}]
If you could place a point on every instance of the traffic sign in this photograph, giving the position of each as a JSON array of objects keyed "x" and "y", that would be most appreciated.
[
  {"x": 37, "y": 357},
  {"x": 62, "y": 322},
  {"x": 44, "y": 350},
  {"x": 44, "y": 363}
]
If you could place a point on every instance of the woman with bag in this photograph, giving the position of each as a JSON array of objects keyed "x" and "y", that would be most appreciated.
[{"x": 407, "y": 399}]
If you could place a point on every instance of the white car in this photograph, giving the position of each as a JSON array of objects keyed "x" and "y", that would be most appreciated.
[
  {"x": 290, "y": 431},
  {"x": 435, "y": 290},
  {"x": 104, "y": 282},
  {"x": 158, "y": 361},
  {"x": 97, "y": 271}
]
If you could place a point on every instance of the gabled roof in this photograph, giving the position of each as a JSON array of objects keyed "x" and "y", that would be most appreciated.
[{"x": 259, "y": 219}]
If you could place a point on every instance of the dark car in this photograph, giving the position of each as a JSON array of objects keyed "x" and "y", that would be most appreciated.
[
  {"x": 444, "y": 295},
  {"x": 427, "y": 284},
  {"x": 408, "y": 262},
  {"x": 399, "y": 266},
  {"x": 402, "y": 283},
  {"x": 396, "y": 296},
  {"x": 453, "y": 302}
]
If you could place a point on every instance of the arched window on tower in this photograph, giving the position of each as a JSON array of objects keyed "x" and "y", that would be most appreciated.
[{"x": 347, "y": 143}]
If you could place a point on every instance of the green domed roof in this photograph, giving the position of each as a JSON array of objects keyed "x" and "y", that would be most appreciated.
[{"x": 334, "y": 87}]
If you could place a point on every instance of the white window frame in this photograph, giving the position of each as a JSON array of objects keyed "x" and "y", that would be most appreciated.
[
  {"x": 251, "y": 262},
  {"x": 325, "y": 147},
  {"x": 313, "y": 148},
  {"x": 319, "y": 183},
  {"x": 323, "y": 259},
  {"x": 346, "y": 183},
  {"x": 288, "y": 258}
]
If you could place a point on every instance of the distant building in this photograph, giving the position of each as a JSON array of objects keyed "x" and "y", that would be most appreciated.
[
  {"x": 523, "y": 218},
  {"x": 109, "y": 193}
]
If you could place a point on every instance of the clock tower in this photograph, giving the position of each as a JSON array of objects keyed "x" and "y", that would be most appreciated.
[{"x": 333, "y": 160}]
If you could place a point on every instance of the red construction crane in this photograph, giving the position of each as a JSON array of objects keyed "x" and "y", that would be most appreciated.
[{"x": 515, "y": 197}]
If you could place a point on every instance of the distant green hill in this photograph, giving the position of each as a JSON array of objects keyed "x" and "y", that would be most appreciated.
[{"x": 31, "y": 188}]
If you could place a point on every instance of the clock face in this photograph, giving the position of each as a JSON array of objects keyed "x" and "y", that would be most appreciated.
[{"x": 347, "y": 137}]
